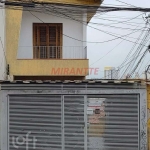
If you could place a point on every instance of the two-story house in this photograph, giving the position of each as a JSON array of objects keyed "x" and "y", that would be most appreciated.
[{"x": 44, "y": 39}]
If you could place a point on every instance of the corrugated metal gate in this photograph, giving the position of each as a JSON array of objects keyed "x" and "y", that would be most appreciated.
[
  {"x": 38, "y": 117},
  {"x": 74, "y": 123},
  {"x": 49, "y": 122},
  {"x": 114, "y": 125},
  {"x": 105, "y": 122}
]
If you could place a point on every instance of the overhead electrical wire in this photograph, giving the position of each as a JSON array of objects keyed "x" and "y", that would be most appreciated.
[
  {"x": 106, "y": 25},
  {"x": 119, "y": 68},
  {"x": 119, "y": 17},
  {"x": 67, "y": 12},
  {"x": 121, "y": 37},
  {"x": 114, "y": 48},
  {"x": 67, "y": 15},
  {"x": 137, "y": 52},
  {"x": 113, "y": 16},
  {"x": 130, "y": 52},
  {"x": 118, "y": 22},
  {"x": 95, "y": 28},
  {"x": 89, "y": 8},
  {"x": 101, "y": 31},
  {"x": 104, "y": 4},
  {"x": 140, "y": 67},
  {"x": 106, "y": 53},
  {"x": 126, "y": 3},
  {"x": 138, "y": 62},
  {"x": 102, "y": 18},
  {"x": 112, "y": 26}
]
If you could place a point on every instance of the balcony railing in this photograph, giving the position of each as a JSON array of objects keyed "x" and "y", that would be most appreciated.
[{"x": 53, "y": 52}]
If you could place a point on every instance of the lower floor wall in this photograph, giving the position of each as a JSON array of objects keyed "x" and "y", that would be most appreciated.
[{"x": 74, "y": 116}]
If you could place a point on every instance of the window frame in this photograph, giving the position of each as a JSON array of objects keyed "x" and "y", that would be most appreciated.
[{"x": 36, "y": 44}]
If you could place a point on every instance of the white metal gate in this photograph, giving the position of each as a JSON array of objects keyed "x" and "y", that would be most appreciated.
[
  {"x": 74, "y": 122},
  {"x": 48, "y": 122},
  {"x": 113, "y": 122},
  {"x": 39, "y": 118}
]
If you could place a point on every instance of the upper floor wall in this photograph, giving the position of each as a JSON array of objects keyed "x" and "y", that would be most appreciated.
[
  {"x": 19, "y": 33},
  {"x": 46, "y": 38}
]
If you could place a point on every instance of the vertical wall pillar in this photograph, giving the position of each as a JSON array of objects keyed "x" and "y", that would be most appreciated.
[
  {"x": 148, "y": 115},
  {"x": 12, "y": 30},
  {"x": 2, "y": 44}
]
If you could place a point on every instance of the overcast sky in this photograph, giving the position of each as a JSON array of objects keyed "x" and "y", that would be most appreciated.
[{"x": 105, "y": 53}]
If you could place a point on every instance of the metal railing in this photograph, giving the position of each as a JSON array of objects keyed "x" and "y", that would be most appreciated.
[{"x": 60, "y": 52}]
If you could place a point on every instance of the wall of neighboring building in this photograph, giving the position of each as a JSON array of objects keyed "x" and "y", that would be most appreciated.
[
  {"x": 70, "y": 28},
  {"x": 2, "y": 44}
]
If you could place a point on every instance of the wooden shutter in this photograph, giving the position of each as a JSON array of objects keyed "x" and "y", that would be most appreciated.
[
  {"x": 52, "y": 41},
  {"x": 47, "y": 39},
  {"x": 59, "y": 41}
]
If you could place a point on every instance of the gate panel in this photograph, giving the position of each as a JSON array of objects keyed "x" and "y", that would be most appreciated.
[
  {"x": 113, "y": 122},
  {"x": 74, "y": 122},
  {"x": 37, "y": 118}
]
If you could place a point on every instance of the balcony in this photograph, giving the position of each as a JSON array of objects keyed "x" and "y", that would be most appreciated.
[
  {"x": 50, "y": 61},
  {"x": 59, "y": 52},
  {"x": 52, "y": 52}
]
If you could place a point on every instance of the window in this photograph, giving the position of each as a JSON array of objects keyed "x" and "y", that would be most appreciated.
[{"x": 47, "y": 40}]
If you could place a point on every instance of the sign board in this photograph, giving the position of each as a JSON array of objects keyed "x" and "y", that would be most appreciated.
[{"x": 95, "y": 109}]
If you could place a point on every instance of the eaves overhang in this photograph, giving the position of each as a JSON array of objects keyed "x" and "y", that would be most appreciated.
[{"x": 66, "y": 3}]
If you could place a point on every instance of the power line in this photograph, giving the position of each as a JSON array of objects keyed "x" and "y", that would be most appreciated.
[
  {"x": 126, "y": 3},
  {"x": 119, "y": 68},
  {"x": 104, "y": 4},
  {"x": 106, "y": 53},
  {"x": 113, "y": 16},
  {"x": 141, "y": 65},
  {"x": 117, "y": 22},
  {"x": 114, "y": 48},
  {"x": 106, "y": 25},
  {"x": 90, "y": 9},
  {"x": 137, "y": 52},
  {"x": 138, "y": 63},
  {"x": 97, "y": 29},
  {"x": 95, "y": 42},
  {"x": 96, "y": 16},
  {"x": 130, "y": 52}
]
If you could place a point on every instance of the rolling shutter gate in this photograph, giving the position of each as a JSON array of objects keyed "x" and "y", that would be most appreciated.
[{"x": 64, "y": 122}]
